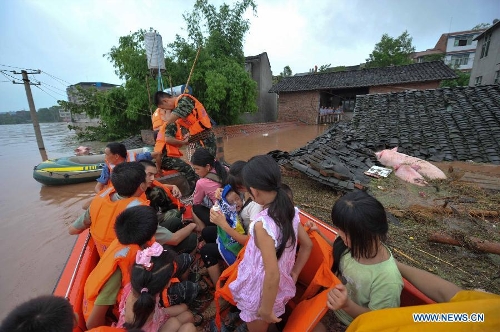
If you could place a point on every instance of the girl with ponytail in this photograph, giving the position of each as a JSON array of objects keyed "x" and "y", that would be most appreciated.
[
  {"x": 140, "y": 307},
  {"x": 269, "y": 269}
]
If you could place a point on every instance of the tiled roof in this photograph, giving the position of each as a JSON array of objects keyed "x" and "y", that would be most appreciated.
[
  {"x": 446, "y": 124},
  {"x": 417, "y": 72}
]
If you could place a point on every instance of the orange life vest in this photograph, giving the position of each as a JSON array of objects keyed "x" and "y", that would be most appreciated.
[
  {"x": 117, "y": 256},
  {"x": 198, "y": 120},
  {"x": 160, "y": 144},
  {"x": 309, "y": 304},
  {"x": 156, "y": 119},
  {"x": 103, "y": 213}
]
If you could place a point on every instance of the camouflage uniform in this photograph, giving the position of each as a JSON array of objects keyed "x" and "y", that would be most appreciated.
[
  {"x": 184, "y": 108},
  {"x": 168, "y": 163}
]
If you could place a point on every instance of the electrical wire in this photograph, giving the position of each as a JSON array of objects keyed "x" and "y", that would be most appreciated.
[
  {"x": 45, "y": 84},
  {"x": 56, "y": 78},
  {"x": 16, "y": 67},
  {"x": 8, "y": 75},
  {"x": 36, "y": 86}
]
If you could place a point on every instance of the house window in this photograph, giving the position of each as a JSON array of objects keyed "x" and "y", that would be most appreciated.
[
  {"x": 463, "y": 40},
  {"x": 486, "y": 46},
  {"x": 497, "y": 77},
  {"x": 478, "y": 80},
  {"x": 458, "y": 60}
]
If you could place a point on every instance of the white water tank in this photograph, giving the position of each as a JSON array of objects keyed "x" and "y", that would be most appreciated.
[
  {"x": 154, "y": 51},
  {"x": 178, "y": 90}
]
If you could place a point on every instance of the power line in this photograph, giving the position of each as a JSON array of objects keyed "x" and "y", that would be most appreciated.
[
  {"x": 46, "y": 86},
  {"x": 56, "y": 78},
  {"x": 16, "y": 67},
  {"x": 8, "y": 75},
  {"x": 36, "y": 86}
]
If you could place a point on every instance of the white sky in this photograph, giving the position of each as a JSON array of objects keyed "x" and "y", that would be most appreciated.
[{"x": 66, "y": 39}]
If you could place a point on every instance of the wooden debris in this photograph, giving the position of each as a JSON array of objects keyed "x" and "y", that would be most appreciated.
[{"x": 473, "y": 242}]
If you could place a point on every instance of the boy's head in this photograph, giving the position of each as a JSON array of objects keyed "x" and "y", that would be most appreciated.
[
  {"x": 136, "y": 225},
  {"x": 46, "y": 313},
  {"x": 127, "y": 178},
  {"x": 151, "y": 171},
  {"x": 232, "y": 197},
  {"x": 164, "y": 100}
]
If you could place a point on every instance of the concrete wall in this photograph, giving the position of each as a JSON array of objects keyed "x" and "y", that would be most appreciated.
[
  {"x": 298, "y": 106},
  {"x": 488, "y": 65},
  {"x": 260, "y": 71}
]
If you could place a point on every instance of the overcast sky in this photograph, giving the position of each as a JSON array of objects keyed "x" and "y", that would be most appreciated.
[{"x": 66, "y": 39}]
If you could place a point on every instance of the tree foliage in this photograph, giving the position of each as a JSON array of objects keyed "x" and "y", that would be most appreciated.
[
  {"x": 462, "y": 80},
  {"x": 219, "y": 79},
  {"x": 481, "y": 26},
  {"x": 391, "y": 51}
]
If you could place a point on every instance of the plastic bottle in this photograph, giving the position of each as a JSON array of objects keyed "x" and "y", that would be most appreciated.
[{"x": 216, "y": 207}]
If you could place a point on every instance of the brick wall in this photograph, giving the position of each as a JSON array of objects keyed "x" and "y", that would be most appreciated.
[
  {"x": 404, "y": 86},
  {"x": 298, "y": 106}
]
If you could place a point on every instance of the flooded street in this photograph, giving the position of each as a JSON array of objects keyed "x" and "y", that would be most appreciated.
[{"x": 34, "y": 218}]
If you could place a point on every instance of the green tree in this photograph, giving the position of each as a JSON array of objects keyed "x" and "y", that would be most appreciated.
[
  {"x": 49, "y": 114},
  {"x": 481, "y": 26},
  {"x": 391, "y": 51},
  {"x": 219, "y": 79},
  {"x": 287, "y": 71},
  {"x": 461, "y": 80}
]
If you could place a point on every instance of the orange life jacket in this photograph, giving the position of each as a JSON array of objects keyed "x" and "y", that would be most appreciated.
[
  {"x": 173, "y": 199},
  {"x": 117, "y": 256},
  {"x": 160, "y": 144},
  {"x": 103, "y": 213},
  {"x": 198, "y": 120},
  {"x": 156, "y": 119},
  {"x": 309, "y": 304}
]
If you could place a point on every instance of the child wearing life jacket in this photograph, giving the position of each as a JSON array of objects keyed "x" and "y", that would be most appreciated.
[
  {"x": 140, "y": 303},
  {"x": 135, "y": 228},
  {"x": 227, "y": 237},
  {"x": 370, "y": 277},
  {"x": 212, "y": 175},
  {"x": 179, "y": 236},
  {"x": 42, "y": 313},
  {"x": 270, "y": 267}
]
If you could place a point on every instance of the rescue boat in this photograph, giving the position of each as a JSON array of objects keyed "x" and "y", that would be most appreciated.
[
  {"x": 73, "y": 169},
  {"x": 84, "y": 257}
]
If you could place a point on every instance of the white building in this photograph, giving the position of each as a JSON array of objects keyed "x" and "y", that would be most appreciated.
[
  {"x": 486, "y": 69},
  {"x": 457, "y": 48}
]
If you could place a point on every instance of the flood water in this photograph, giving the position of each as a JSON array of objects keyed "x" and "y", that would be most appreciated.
[{"x": 34, "y": 218}]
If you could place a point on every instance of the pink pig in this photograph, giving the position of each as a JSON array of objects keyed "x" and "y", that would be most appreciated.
[
  {"x": 393, "y": 158},
  {"x": 409, "y": 174},
  {"x": 82, "y": 150}
]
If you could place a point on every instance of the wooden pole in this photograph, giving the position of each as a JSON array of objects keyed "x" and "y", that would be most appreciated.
[{"x": 34, "y": 117}]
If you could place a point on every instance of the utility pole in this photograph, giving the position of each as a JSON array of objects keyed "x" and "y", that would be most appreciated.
[{"x": 34, "y": 118}]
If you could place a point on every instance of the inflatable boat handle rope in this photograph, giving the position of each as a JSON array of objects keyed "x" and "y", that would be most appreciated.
[{"x": 70, "y": 286}]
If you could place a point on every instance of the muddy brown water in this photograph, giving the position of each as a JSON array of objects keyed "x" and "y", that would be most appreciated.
[{"x": 34, "y": 218}]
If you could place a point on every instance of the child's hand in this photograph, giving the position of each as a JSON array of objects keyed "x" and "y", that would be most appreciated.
[
  {"x": 337, "y": 297},
  {"x": 311, "y": 225},
  {"x": 218, "y": 193},
  {"x": 268, "y": 317},
  {"x": 295, "y": 277},
  {"x": 176, "y": 192},
  {"x": 217, "y": 218}
]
